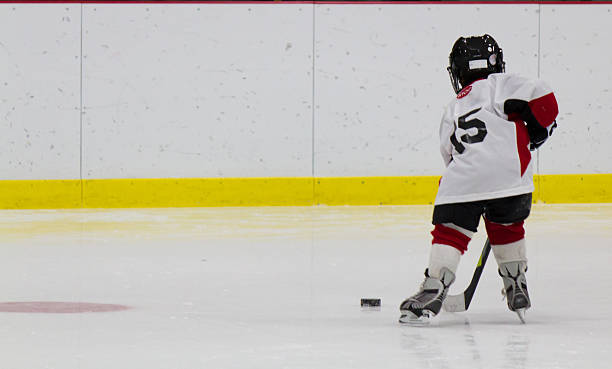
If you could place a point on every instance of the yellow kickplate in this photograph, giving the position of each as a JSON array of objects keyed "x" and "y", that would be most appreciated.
[
  {"x": 40, "y": 194},
  {"x": 274, "y": 191},
  {"x": 376, "y": 190},
  {"x": 574, "y": 188},
  {"x": 186, "y": 192}
]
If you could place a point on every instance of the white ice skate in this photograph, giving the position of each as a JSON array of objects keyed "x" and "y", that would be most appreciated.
[
  {"x": 515, "y": 287},
  {"x": 425, "y": 304}
]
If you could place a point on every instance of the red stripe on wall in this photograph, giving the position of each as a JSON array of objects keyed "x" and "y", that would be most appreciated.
[{"x": 151, "y": 2}]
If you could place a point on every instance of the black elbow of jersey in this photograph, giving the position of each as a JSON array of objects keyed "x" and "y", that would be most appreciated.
[{"x": 520, "y": 108}]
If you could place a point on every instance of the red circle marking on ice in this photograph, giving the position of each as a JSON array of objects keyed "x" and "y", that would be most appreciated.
[{"x": 52, "y": 307}]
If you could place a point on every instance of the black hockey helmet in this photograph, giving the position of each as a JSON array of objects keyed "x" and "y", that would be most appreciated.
[{"x": 473, "y": 58}]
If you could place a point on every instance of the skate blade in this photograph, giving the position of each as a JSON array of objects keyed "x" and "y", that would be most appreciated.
[
  {"x": 409, "y": 318},
  {"x": 521, "y": 314}
]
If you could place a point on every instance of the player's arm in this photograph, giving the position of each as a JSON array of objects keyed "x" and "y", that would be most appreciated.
[
  {"x": 533, "y": 102},
  {"x": 447, "y": 128}
]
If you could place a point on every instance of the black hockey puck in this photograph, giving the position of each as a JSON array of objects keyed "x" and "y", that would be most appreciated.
[{"x": 370, "y": 302}]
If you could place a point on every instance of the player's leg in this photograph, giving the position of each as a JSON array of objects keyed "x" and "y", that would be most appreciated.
[
  {"x": 455, "y": 225},
  {"x": 511, "y": 260},
  {"x": 504, "y": 219}
]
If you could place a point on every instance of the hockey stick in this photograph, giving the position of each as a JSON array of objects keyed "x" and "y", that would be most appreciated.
[{"x": 461, "y": 302}]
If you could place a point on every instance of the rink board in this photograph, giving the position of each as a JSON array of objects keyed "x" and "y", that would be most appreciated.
[
  {"x": 172, "y": 105},
  {"x": 277, "y": 191}
]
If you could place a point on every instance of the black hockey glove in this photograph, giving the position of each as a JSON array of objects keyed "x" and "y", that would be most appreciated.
[{"x": 539, "y": 139}]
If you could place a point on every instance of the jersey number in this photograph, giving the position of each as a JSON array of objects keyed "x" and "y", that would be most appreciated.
[{"x": 467, "y": 124}]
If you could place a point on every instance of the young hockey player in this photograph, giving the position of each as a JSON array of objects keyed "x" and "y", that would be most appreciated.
[{"x": 486, "y": 136}]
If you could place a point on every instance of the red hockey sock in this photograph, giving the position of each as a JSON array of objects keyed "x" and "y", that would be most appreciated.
[
  {"x": 500, "y": 234},
  {"x": 447, "y": 236}
]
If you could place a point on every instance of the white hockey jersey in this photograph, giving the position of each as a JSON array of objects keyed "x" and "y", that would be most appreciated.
[{"x": 485, "y": 137}]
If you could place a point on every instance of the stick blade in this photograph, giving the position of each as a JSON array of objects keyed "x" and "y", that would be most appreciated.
[
  {"x": 461, "y": 302},
  {"x": 454, "y": 303}
]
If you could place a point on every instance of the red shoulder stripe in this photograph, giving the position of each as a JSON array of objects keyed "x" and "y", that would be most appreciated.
[{"x": 544, "y": 109}]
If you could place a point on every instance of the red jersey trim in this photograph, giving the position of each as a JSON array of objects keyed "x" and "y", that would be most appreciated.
[
  {"x": 464, "y": 92},
  {"x": 522, "y": 145}
]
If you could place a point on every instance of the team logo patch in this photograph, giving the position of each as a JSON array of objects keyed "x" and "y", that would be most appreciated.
[{"x": 464, "y": 92}]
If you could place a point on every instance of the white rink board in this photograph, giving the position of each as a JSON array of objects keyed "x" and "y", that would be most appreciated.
[
  {"x": 197, "y": 90},
  {"x": 577, "y": 60},
  {"x": 39, "y": 91},
  {"x": 226, "y": 90},
  {"x": 381, "y": 81}
]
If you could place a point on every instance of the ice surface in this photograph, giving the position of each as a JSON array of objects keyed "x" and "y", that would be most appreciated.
[{"x": 281, "y": 288}]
